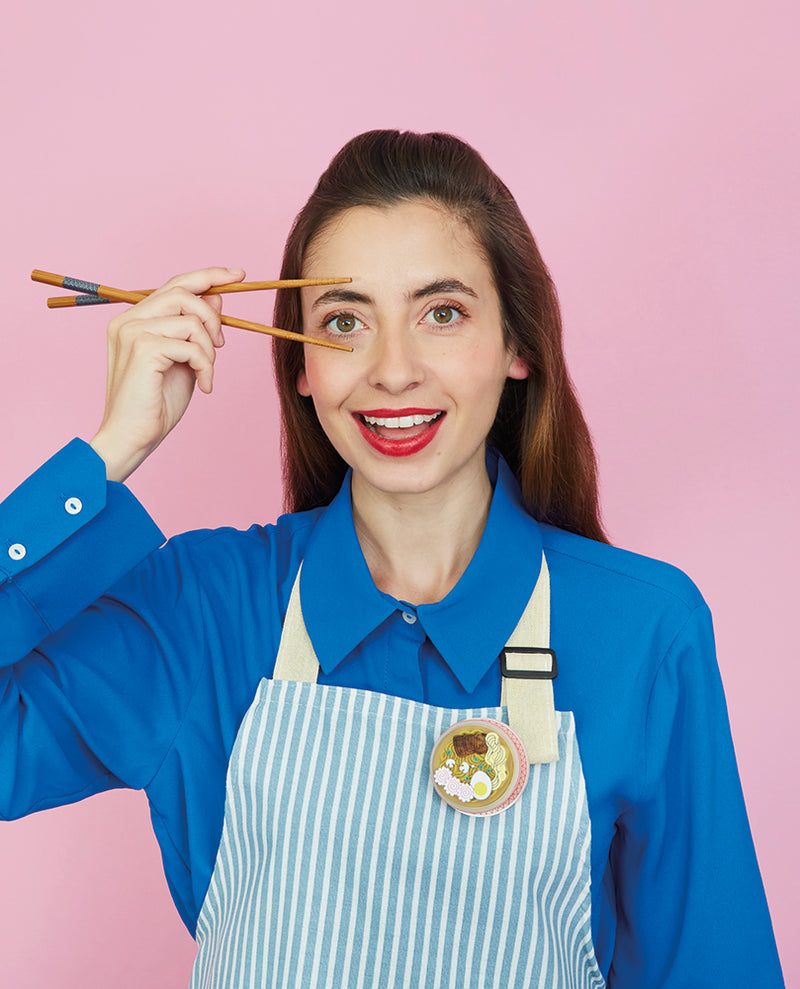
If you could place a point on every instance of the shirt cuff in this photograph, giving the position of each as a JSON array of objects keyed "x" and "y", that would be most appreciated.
[{"x": 66, "y": 535}]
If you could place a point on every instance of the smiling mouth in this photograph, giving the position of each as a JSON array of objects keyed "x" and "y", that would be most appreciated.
[{"x": 402, "y": 434}]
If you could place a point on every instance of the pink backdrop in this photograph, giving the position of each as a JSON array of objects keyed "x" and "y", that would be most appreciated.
[{"x": 654, "y": 149}]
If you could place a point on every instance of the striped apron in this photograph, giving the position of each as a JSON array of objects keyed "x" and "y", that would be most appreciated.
[{"x": 339, "y": 865}]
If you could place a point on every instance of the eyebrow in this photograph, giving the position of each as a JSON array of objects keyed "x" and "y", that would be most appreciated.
[{"x": 436, "y": 287}]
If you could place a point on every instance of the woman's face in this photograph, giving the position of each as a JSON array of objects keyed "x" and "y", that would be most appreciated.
[{"x": 410, "y": 408}]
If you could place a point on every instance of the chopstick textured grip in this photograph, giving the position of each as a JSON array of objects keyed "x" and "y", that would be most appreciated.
[
  {"x": 90, "y": 300},
  {"x": 76, "y": 285}
]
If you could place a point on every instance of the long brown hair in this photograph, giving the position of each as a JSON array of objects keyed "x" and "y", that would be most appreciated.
[{"x": 539, "y": 427}]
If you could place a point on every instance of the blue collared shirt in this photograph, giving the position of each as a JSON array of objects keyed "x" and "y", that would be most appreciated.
[{"x": 146, "y": 688}]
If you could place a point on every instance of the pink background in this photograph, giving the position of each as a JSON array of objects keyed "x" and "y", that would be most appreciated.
[{"x": 654, "y": 150}]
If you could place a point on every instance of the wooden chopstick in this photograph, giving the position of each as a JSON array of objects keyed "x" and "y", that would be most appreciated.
[
  {"x": 120, "y": 295},
  {"x": 93, "y": 299}
]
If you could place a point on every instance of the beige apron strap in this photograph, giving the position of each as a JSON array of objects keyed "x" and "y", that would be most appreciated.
[
  {"x": 528, "y": 667},
  {"x": 296, "y": 657}
]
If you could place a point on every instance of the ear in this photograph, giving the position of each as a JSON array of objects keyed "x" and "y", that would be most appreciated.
[
  {"x": 518, "y": 369},
  {"x": 302, "y": 384}
]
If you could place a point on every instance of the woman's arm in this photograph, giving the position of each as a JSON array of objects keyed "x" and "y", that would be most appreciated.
[
  {"x": 67, "y": 536},
  {"x": 156, "y": 351},
  {"x": 691, "y": 909}
]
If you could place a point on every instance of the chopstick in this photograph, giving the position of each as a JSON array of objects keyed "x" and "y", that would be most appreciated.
[
  {"x": 93, "y": 299},
  {"x": 120, "y": 295}
]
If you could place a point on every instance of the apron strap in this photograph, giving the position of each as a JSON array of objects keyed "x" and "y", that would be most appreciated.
[
  {"x": 296, "y": 658},
  {"x": 528, "y": 667}
]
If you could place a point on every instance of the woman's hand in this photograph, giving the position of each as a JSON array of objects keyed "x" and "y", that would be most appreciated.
[{"x": 157, "y": 350}]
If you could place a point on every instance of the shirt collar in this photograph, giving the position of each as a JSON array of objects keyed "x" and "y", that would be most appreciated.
[{"x": 469, "y": 627}]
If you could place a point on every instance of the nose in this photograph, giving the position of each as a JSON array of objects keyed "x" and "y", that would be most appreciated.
[{"x": 396, "y": 365}]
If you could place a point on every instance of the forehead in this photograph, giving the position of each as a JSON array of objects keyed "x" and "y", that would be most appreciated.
[{"x": 407, "y": 239}]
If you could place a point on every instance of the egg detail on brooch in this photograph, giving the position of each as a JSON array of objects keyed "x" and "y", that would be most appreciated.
[{"x": 479, "y": 766}]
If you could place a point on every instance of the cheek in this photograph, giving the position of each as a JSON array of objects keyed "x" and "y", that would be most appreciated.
[
  {"x": 323, "y": 381},
  {"x": 483, "y": 372},
  {"x": 312, "y": 379}
]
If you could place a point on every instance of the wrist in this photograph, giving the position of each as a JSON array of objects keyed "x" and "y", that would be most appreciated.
[{"x": 119, "y": 464}]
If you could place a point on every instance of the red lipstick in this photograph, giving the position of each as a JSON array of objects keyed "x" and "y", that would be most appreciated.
[{"x": 408, "y": 441}]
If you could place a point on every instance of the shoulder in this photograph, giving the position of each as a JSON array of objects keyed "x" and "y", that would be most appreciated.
[
  {"x": 612, "y": 571},
  {"x": 225, "y": 560},
  {"x": 627, "y": 611},
  {"x": 290, "y": 530}
]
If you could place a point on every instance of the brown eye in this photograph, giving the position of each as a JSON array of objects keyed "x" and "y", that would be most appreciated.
[
  {"x": 444, "y": 314},
  {"x": 343, "y": 323}
]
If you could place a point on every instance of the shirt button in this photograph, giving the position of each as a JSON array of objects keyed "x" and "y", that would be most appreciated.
[
  {"x": 73, "y": 505},
  {"x": 17, "y": 551},
  {"x": 408, "y": 617}
]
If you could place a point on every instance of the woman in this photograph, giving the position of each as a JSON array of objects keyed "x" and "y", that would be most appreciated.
[{"x": 441, "y": 480}]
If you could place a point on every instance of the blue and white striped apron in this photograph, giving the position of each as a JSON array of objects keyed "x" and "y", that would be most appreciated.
[{"x": 339, "y": 865}]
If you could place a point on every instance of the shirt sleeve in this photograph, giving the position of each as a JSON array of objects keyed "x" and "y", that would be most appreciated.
[
  {"x": 691, "y": 909},
  {"x": 66, "y": 535},
  {"x": 65, "y": 538}
]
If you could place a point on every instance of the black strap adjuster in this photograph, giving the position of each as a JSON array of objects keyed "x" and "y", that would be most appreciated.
[{"x": 522, "y": 674}]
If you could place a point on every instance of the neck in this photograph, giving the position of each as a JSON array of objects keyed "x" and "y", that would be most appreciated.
[{"x": 417, "y": 546}]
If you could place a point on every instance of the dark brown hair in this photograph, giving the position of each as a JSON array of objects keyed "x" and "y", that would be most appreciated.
[{"x": 539, "y": 427}]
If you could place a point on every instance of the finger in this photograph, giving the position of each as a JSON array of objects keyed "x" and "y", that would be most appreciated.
[
  {"x": 166, "y": 352},
  {"x": 168, "y": 303},
  {"x": 185, "y": 304},
  {"x": 149, "y": 332},
  {"x": 215, "y": 301},
  {"x": 178, "y": 296},
  {"x": 200, "y": 281}
]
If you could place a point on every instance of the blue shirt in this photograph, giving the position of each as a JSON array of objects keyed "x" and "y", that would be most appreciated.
[{"x": 145, "y": 687}]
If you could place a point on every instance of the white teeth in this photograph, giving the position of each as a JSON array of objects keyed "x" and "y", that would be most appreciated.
[{"x": 400, "y": 422}]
